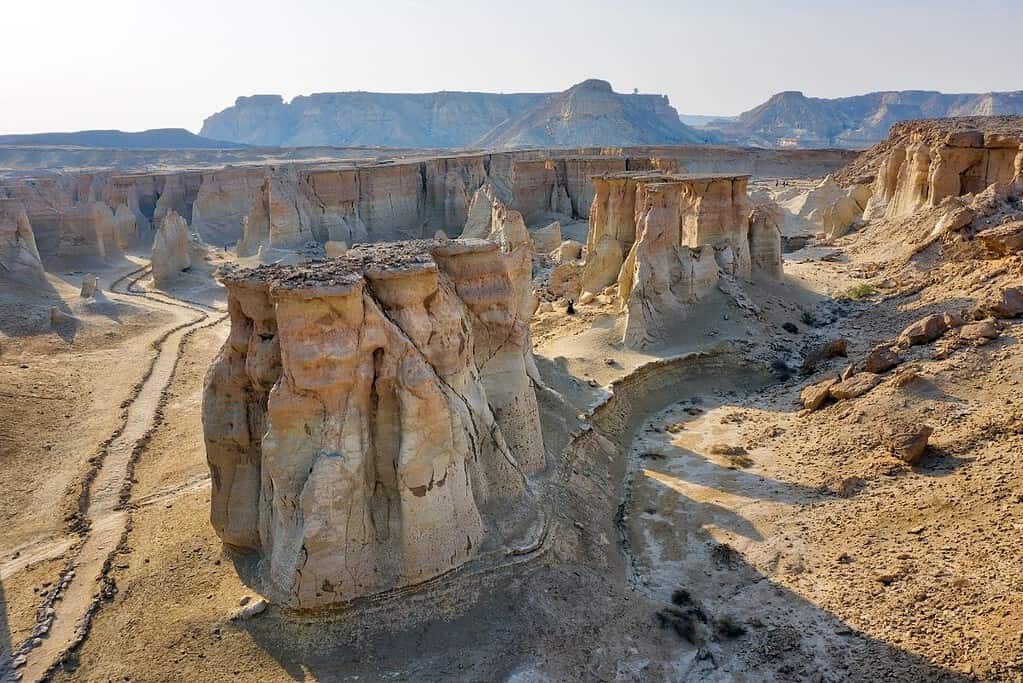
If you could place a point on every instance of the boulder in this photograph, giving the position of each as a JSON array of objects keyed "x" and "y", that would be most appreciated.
[
  {"x": 568, "y": 252},
  {"x": 981, "y": 332},
  {"x": 924, "y": 331},
  {"x": 90, "y": 285},
  {"x": 547, "y": 239},
  {"x": 602, "y": 266},
  {"x": 855, "y": 386},
  {"x": 1004, "y": 240},
  {"x": 881, "y": 358},
  {"x": 1006, "y": 304},
  {"x": 814, "y": 395},
  {"x": 907, "y": 442},
  {"x": 765, "y": 239},
  {"x": 564, "y": 280}
]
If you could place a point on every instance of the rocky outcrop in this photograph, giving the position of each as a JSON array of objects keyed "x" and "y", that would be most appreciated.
[
  {"x": 125, "y": 228},
  {"x": 170, "y": 249},
  {"x": 19, "y": 256},
  {"x": 925, "y": 163},
  {"x": 661, "y": 273},
  {"x": 88, "y": 231},
  {"x": 370, "y": 420}
]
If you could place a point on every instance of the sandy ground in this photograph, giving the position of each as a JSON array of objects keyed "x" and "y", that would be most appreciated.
[{"x": 704, "y": 527}]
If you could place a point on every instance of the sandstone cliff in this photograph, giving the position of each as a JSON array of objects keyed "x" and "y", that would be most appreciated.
[
  {"x": 357, "y": 419},
  {"x": 19, "y": 256}
]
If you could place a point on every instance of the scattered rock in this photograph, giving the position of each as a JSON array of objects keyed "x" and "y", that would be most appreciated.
[
  {"x": 814, "y": 395},
  {"x": 1007, "y": 304},
  {"x": 790, "y": 328},
  {"x": 924, "y": 331},
  {"x": 855, "y": 386},
  {"x": 250, "y": 610},
  {"x": 1004, "y": 240},
  {"x": 881, "y": 358},
  {"x": 907, "y": 442},
  {"x": 980, "y": 333}
]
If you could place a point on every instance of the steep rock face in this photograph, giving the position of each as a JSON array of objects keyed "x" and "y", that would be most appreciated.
[
  {"x": 125, "y": 227},
  {"x": 357, "y": 419},
  {"x": 661, "y": 274},
  {"x": 225, "y": 198},
  {"x": 88, "y": 231},
  {"x": 170, "y": 249},
  {"x": 927, "y": 162},
  {"x": 19, "y": 256},
  {"x": 790, "y": 119},
  {"x": 678, "y": 231}
]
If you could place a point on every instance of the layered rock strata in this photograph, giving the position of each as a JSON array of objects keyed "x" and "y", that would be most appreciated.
[
  {"x": 19, "y": 256},
  {"x": 370, "y": 421},
  {"x": 677, "y": 231}
]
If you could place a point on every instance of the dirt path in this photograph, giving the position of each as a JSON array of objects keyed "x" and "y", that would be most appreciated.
[{"x": 64, "y": 623}]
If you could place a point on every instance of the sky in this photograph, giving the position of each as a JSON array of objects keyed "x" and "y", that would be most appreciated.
[{"x": 84, "y": 64}]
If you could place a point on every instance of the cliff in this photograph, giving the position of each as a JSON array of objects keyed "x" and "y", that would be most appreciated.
[
  {"x": 589, "y": 113},
  {"x": 790, "y": 119},
  {"x": 359, "y": 418}
]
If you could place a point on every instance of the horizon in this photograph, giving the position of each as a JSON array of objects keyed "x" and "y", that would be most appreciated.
[{"x": 81, "y": 83}]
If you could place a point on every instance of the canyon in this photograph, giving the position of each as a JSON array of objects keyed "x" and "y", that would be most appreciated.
[{"x": 639, "y": 412}]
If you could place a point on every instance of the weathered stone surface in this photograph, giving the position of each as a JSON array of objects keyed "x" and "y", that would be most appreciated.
[
  {"x": 814, "y": 395},
  {"x": 765, "y": 240},
  {"x": 924, "y": 331},
  {"x": 170, "y": 249},
  {"x": 855, "y": 386},
  {"x": 661, "y": 275},
  {"x": 1004, "y": 240},
  {"x": 19, "y": 256},
  {"x": 568, "y": 252},
  {"x": 1006, "y": 304},
  {"x": 88, "y": 231},
  {"x": 907, "y": 442},
  {"x": 548, "y": 238},
  {"x": 980, "y": 332},
  {"x": 881, "y": 358},
  {"x": 125, "y": 227},
  {"x": 602, "y": 266},
  {"x": 370, "y": 420}
]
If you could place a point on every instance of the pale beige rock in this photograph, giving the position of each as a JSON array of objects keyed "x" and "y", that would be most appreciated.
[
  {"x": 88, "y": 231},
  {"x": 547, "y": 238},
  {"x": 1008, "y": 303},
  {"x": 170, "y": 249},
  {"x": 19, "y": 256},
  {"x": 565, "y": 280},
  {"x": 568, "y": 251},
  {"x": 335, "y": 249},
  {"x": 602, "y": 266},
  {"x": 881, "y": 358},
  {"x": 125, "y": 227},
  {"x": 765, "y": 240},
  {"x": 368, "y": 381},
  {"x": 661, "y": 276}
]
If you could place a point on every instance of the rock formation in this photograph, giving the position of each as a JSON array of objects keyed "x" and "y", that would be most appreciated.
[
  {"x": 370, "y": 420},
  {"x": 170, "y": 249},
  {"x": 125, "y": 228},
  {"x": 89, "y": 231},
  {"x": 589, "y": 113},
  {"x": 19, "y": 256},
  {"x": 678, "y": 231}
]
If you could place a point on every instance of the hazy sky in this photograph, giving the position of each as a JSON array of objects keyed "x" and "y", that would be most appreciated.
[{"x": 79, "y": 64}]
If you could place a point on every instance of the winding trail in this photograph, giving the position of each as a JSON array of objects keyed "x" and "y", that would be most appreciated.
[{"x": 63, "y": 623}]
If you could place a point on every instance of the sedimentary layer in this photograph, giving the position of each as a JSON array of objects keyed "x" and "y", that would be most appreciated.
[{"x": 371, "y": 420}]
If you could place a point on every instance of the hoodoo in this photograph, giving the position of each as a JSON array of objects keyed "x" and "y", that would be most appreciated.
[
  {"x": 19, "y": 257},
  {"x": 352, "y": 423}
]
